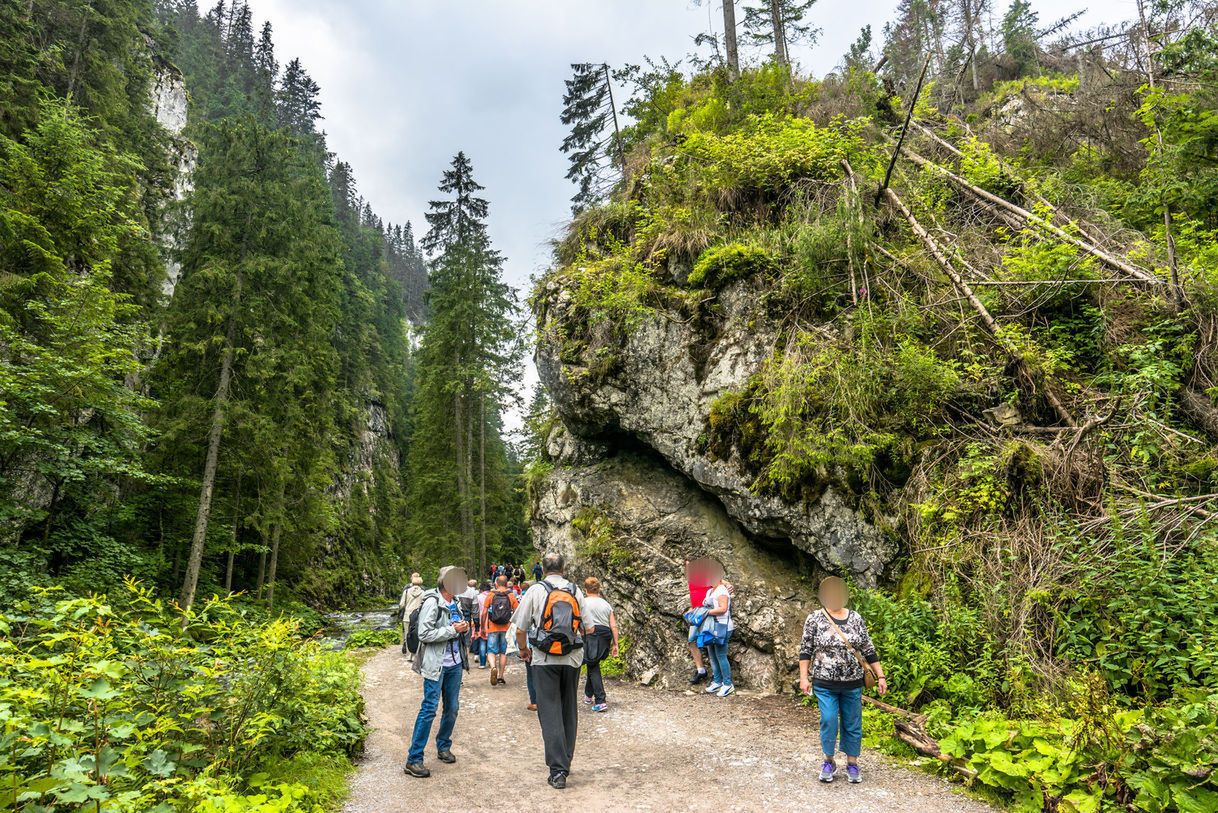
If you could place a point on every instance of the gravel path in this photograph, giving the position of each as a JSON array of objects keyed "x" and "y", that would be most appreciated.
[{"x": 653, "y": 750}]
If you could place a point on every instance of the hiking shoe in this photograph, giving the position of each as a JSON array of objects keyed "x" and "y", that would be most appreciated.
[
  {"x": 494, "y": 675},
  {"x": 601, "y": 707},
  {"x": 502, "y": 682},
  {"x": 447, "y": 756},
  {"x": 416, "y": 769},
  {"x": 558, "y": 781},
  {"x": 725, "y": 690},
  {"x": 827, "y": 771},
  {"x": 531, "y": 707},
  {"x": 854, "y": 774},
  {"x": 699, "y": 677},
  {"x": 714, "y": 687},
  {"x": 587, "y": 700}
]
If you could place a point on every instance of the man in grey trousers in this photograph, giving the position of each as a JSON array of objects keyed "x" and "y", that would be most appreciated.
[{"x": 555, "y": 676}]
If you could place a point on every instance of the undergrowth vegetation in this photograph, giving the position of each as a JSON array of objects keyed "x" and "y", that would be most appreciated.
[{"x": 122, "y": 703}]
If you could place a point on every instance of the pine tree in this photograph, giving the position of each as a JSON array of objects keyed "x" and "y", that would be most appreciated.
[
  {"x": 779, "y": 24},
  {"x": 1019, "y": 36},
  {"x": 297, "y": 103},
  {"x": 588, "y": 109},
  {"x": 250, "y": 330},
  {"x": 467, "y": 354}
]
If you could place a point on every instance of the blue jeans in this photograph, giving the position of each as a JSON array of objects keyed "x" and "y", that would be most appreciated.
[
  {"x": 449, "y": 688},
  {"x": 840, "y": 709},
  {"x": 496, "y": 643},
  {"x": 480, "y": 650},
  {"x": 528, "y": 678},
  {"x": 723, "y": 669}
]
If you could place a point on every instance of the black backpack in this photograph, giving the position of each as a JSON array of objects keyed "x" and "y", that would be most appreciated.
[
  {"x": 500, "y": 611},
  {"x": 412, "y": 632}
]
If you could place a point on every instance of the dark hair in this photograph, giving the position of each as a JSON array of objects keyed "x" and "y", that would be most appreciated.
[{"x": 553, "y": 563}]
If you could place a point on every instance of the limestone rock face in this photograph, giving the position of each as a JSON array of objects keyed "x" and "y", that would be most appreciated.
[
  {"x": 654, "y": 384},
  {"x": 632, "y": 522}
]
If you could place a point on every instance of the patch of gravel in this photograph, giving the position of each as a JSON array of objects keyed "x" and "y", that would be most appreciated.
[{"x": 652, "y": 751}]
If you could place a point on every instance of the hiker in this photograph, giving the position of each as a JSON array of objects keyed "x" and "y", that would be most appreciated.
[
  {"x": 600, "y": 642},
  {"x": 411, "y": 596},
  {"x": 467, "y": 599},
  {"x": 496, "y": 618},
  {"x": 440, "y": 659},
  {"x": 843, "y": 660},
  {"x": 479, "y": 634},
  {"x": 716, "y": 632},
  {"x": 537, "y": 571},
  {"x": 550, "y": 635}
]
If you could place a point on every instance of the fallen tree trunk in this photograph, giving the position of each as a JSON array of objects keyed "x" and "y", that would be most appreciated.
[
  {"x": 909, "y": 730},
  {"x": 991, "y": 326},
  {"x": 1030, "y": 218}
]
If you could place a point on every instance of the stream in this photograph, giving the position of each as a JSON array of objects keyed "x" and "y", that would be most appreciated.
[{"x": 340, "y": 625}]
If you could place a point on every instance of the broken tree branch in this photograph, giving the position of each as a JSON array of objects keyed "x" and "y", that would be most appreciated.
[
  {"x": 892, "y": 162},
  {"x": 1030, "y": 218},
  {"x": 991, "y": 326}
]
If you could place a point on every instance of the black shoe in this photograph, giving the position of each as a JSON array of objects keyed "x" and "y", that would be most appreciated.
[
  {"x": 558, "y": 781},
  {"x": 447, "y": 756},
  {"x": 699, "y": 677},
  {"x": 416, "y": 769}
]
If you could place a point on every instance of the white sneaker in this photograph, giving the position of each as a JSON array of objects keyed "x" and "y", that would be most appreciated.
[
  {"x": 726, "y": 690},
  {"x": 714, "y": 687}
]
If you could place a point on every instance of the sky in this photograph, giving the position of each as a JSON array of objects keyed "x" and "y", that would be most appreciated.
[{"x": 406, "y": 84}]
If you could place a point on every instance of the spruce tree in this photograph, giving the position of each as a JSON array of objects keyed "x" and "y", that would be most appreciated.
[
  {"x": 588, "y": 109},
  {"x": 780, "y": 24},
  {"x": 467, "y": 355},
  {"x": 249, "y": 348},
  {"x": 297, "y": 103}
]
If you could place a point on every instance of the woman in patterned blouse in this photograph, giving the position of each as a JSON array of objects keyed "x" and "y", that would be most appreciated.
[{"x": 837, "y": 677}]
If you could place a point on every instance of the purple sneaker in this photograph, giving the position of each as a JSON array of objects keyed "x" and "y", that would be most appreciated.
[
  {"x": 853, "y": 774},
  {"x": 827, "y": 771}
]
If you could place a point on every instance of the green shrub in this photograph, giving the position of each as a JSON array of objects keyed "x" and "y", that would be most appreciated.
[
  {"x": 723, "y": 264},
  {"x": 612, "y": 667},
  {"x": 372, "y": 639},
  {"x": 127, "y": 704}
]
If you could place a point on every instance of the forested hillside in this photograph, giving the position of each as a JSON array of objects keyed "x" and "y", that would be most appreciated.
[
  {"x": 209, "y": 333},
  {"x": 942, "y": 322}
]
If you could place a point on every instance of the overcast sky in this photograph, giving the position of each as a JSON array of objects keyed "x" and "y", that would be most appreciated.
[{"x": 405, "y": 84}]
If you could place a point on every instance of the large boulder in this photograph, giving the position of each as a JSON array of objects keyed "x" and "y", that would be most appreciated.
[
  {"x": 654, "y": 383},
  {"x": 632, "y": 522}
]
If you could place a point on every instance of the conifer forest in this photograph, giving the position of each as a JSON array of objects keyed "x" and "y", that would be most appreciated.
[{"x": 940, "y": 318}]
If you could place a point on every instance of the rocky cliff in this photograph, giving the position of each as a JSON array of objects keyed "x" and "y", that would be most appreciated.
[{"x": 637, "y": 485}]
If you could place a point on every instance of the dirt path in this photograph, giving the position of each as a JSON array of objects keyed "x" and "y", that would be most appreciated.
[{"x": 653, "y": 751}]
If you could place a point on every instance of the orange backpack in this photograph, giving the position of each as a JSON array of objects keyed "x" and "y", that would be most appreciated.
[{"x": 561, "y": 629}]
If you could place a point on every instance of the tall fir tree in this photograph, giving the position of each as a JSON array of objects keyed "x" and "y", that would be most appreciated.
[
  {"x": 779, "y": 24},
  {"x": 467, "y": 356},
  {"x": 593, "y": 149}
]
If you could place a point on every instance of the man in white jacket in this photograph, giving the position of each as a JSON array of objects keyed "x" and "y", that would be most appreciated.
[{"x": 412, "y": 594}]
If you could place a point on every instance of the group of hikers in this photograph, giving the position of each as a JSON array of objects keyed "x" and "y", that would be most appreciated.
[{"x": 555, "y": 628}]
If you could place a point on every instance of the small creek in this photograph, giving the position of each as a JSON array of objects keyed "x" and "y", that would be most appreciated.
[{"x": 340, "y": 625}]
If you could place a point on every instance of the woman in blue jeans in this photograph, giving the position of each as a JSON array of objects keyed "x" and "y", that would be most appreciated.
[
  {"x": 834, "y": 647},
  {"x": 719, "y": 605}
]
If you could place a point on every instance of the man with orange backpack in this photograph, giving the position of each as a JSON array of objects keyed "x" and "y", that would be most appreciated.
[{"x": 550, "y": 633}]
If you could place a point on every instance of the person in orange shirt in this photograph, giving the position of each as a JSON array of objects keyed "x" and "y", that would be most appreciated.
[{"x": 496, "y": 618}]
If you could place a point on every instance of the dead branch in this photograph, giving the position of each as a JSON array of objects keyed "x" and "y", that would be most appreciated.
[
  {"x": 982, "y": 312},
  {"x": 1029, "y": 218}
]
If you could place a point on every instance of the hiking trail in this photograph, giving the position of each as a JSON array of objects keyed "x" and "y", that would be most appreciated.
[{"x": 653, "y": 750}]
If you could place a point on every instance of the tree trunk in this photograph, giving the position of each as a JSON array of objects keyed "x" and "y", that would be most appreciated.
[
  {"x": 459, "y": 455},
  {"x": 482, "y": 487},
  {"x": 730, "y": 42},
  {"x": 213, "y": 456},
  {"x": 274, "y": 568},
  {"x": 261, "y": 573},
  {"x": 780, "y": 36},
  {"x": 232, "y": 551}
]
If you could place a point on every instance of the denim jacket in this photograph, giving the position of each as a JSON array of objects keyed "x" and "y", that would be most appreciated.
[{"x": 435, "y": 632}]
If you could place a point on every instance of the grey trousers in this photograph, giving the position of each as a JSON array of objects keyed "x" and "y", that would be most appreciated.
[{"x": 558, "y": 712}]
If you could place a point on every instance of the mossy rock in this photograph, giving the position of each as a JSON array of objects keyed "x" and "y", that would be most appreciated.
[{"x": 723, "y": 264}]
